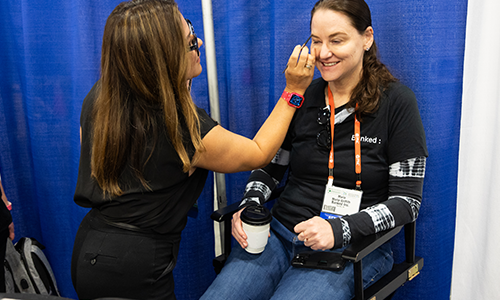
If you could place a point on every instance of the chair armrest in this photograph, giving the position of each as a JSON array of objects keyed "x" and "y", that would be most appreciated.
[
  {"x": 357, "y": 251},
  {"x": 225, "y": 213}
]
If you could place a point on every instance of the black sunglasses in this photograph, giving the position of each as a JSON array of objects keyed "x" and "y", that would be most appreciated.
[
  {"x": 193, "y": 45},
  {"x": 324, "y": 137}
]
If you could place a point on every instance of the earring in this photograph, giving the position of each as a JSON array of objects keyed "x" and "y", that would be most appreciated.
[{"x": 367, "y": 49}]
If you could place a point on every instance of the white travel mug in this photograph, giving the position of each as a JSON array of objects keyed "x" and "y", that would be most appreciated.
[{"x": 256, "y": 220}]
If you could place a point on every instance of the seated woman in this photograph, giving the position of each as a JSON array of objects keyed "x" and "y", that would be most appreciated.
[
  {"x": 146, "y": 151},
  {"x": 358, "y": 134}
]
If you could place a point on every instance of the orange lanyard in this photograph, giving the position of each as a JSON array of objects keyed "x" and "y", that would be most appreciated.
[{"x": 357, "y": 143}]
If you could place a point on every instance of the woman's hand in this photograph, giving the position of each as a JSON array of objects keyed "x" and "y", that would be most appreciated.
[
  {"x": 300, "y": 70},
  {"x": 237, "y": 230},
  {"x": 12, "y": 234},
  {"x": 316, "y": 233}
]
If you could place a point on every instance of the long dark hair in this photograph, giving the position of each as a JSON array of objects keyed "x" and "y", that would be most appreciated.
[
  {"x": 375, "y": 75},
  {"x": 143, "y": 80}
]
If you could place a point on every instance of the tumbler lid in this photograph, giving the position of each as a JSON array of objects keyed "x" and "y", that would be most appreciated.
[{"x": 256, "y": 215}]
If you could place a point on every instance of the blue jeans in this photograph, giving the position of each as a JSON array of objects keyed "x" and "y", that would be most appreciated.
[{"x": 269, "y": 275}]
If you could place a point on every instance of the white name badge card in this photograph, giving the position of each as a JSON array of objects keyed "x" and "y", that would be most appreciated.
[{"x": 340, "y": 202}]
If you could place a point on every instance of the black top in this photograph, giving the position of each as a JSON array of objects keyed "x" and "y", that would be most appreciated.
[
  {"x": 164, "y": 209},
  {"x": 5, "y": 217},
  {"x": 392, "y": 134}
]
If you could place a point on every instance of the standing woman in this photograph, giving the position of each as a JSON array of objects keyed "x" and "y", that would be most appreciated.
[
  {"x": 359, "y": 133},
  {"x": 146, "y": 151}
]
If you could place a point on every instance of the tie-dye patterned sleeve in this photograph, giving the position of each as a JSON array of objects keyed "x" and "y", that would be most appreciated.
[
  {"x": 406, "y": 180},
  {"x": 263, "y": 181}
]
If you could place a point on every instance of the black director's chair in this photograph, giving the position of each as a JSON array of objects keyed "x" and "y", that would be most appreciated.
[{"x": 384, "y": 288}]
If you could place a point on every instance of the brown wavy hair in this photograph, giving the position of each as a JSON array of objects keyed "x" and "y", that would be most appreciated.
[
  {"x": 143, "y": 89},
  {"x": 376, "y": 77}
]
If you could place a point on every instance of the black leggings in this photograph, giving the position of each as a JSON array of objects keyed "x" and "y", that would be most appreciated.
[{"x": 113, "y": 262}]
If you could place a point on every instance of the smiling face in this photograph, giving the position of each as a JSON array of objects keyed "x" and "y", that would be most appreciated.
[
  {"x": 339, "y": 47},
  {"x": 193, "y": 55}
]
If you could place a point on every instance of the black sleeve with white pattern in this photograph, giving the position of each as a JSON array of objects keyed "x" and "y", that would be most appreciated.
[
  {"x": 263, "y": 181},
  {"x": 406, "y": 180}
]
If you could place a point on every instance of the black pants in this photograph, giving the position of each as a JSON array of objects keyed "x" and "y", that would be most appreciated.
[
  {"x": 113, "y": 262},
  {"x": 4, "y": 235}
]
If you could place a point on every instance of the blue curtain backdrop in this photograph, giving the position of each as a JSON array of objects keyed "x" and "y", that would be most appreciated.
[{"x": 49, "y": 60}]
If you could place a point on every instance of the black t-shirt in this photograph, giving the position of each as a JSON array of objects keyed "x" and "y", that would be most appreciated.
[
  {"x": 5, "y": 217},
  {"x": 391, "y": 135},
  {"x": 164, "y": 209}
]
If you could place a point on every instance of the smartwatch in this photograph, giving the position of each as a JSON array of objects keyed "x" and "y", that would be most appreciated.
[{"x": 293, "y": 99}]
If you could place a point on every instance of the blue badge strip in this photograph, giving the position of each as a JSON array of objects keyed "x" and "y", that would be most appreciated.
[{"x": 328, "y": 216}]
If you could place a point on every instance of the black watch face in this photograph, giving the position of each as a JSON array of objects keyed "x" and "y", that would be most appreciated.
[{"x": 295, "y": 100}]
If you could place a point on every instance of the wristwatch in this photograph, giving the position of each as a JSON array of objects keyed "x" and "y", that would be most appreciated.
[{"x": 293, "y": 99}]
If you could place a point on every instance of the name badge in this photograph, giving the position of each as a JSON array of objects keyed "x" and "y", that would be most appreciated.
[{"x": 340, "y": 202}]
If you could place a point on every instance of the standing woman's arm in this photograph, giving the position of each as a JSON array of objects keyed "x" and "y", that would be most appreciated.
[
  {"x": 6, "y": 214},
  {"x": 227, "y": 152}
]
